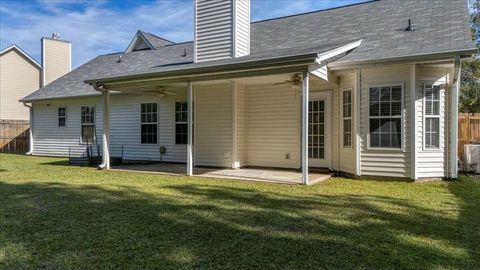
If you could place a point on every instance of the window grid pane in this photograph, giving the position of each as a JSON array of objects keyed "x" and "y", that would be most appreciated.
[
  {"x": 181, "y": 122},
  {"x": 149, "y": 126},
  {"x": 87, "y": 118},
  {"x": 432, "y": 116},
  {"x": 62, "y": 117},
  {"x": 347, "y": 121},
  {"x": 385, "y": 110},
  {"x": 316, "y": 129}
]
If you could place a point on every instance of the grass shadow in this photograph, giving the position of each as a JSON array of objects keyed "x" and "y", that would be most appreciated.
[{"x": 179, "y": 226}]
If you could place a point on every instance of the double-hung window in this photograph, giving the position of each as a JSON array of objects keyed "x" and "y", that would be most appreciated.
[
  {"x": 432, "y": 116},
  {"x": 149, "y": 123},
  {"x": 347, "y": 118},
  {"x": 385, "y": 117},
  {"x": 181, "y": 122},
  {"x": 62, "y": 116},
  {"x": 88, "y": 124}
]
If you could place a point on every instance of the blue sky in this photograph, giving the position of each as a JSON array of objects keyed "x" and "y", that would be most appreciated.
[{"x": 99, "y": 27}]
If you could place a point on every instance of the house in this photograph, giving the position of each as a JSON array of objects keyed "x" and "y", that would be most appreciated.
[
  {"x": 21, "y": 74},
  {"x": 369, "y": 89}
]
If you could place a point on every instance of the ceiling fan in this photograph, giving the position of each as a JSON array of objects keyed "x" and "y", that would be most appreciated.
[
  {"x": 161, "y": 92},
  {"x": 295, "y": 80}
]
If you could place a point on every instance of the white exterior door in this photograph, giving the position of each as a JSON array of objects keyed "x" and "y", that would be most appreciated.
[{"x": 319, "y": 130}]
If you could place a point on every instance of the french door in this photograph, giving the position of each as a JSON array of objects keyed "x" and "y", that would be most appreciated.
[{"x": 319, "y": 129}]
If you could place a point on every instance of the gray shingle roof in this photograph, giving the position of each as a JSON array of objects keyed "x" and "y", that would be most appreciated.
[
  {"x": 440, "y": 26},
  {"x": 156, "y": 41}
]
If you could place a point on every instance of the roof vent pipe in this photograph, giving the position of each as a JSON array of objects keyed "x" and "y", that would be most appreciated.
[{"x": 409, "y": 27}]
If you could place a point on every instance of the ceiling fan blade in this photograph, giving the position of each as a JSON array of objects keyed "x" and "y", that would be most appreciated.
[
  {"x": 286, "y": 82},
  {"x": 169, "y": 93}
]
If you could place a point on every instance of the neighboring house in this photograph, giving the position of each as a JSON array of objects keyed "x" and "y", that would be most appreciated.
[
  {"x": 21, "y": 75},
  {"x": 368, "y": 90}
]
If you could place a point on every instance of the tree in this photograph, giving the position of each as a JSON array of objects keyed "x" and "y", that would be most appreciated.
[{"x": 470, "y": 84}]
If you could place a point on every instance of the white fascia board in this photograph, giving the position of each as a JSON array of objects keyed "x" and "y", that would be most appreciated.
[
  {"x": 320, "y": 71},
  {"x": 15, "y": 47},
  {"x": 335, "y": 52}
]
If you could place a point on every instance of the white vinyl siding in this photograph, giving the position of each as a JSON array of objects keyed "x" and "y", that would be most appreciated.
[
  {"x": 222, "y": 29},
  {"x": 213, "y": 35},
  {"x": 432, "y": 162},
  {"x": 240, "y": 125},
  {"x": 125, "y": 127},
  {"x": 385, "y": 162},
  {"x": 213, "y": 125},
  {"x": 343, "y": 157},
  {"x": 242, "y": 28},
  {"x": 52, "y": 140},
  {"x": 273, "y": 126}
]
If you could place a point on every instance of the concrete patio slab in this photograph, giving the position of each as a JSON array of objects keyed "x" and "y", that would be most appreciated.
[{"x": 282, "y": 176}]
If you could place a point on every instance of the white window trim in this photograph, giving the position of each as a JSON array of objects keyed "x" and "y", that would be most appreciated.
[
  {"x": 402, "y": 117},
  {"x": 94, "y": 122},
  {"x": 175, "y": 122},
  {"x": 348, "y": 118},
  {"x": 58, "y": 117},
  {"x": 158, "y": 125},
  {"x": 439, "y": 116}
]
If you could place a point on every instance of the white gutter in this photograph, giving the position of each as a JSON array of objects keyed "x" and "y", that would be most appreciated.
[
  {"x": 410, "y": 59},
  {"x": 30, "y": 130}
]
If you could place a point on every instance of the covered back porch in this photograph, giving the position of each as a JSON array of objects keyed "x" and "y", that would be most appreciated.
[{"x": 272, "y": 124}]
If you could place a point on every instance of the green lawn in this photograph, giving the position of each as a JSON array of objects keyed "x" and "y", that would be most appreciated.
[{"x": 58, "y": 217}]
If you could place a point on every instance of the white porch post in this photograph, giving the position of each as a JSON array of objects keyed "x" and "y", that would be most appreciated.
[
  {"x": 30, "y": 130},
  {"x": 305, "y": 100},
  {"x": 106, "y": 130},
  {"x": 190, "y": 130},
  {"x": 454, "y": 119}
]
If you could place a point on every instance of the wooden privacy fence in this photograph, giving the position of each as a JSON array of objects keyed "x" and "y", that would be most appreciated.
[
  {"x": 14, "y": 136},
  {"x": 468, "y": 130}
]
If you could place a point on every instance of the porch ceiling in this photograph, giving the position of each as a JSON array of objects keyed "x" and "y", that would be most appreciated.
[{"x": 273, "y": 79}]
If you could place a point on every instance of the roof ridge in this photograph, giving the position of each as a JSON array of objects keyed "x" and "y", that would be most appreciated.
[
  {"x": 22, "y": 52},
  {"x": 279, "y": 18},
  {"x": 159, "y": 37},
  {"x": 316, "y": 11}
]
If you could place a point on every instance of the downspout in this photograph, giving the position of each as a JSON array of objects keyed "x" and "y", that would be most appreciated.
[
  {"x": 105, "y": 133},
  {"x": 30, "y": 132}
]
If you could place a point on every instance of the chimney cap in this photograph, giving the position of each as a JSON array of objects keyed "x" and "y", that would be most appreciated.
[{"x": 55, "y": 35}]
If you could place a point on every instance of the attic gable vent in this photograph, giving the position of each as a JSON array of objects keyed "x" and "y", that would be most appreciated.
[
  {"x": 146, "y": 41},
  {"x": 222, "y": 29}
]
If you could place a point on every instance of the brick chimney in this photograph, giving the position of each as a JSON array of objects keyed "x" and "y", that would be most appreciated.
[
  {"x": 222, "y": 29},
  {"x": 56, "y": 58}
]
